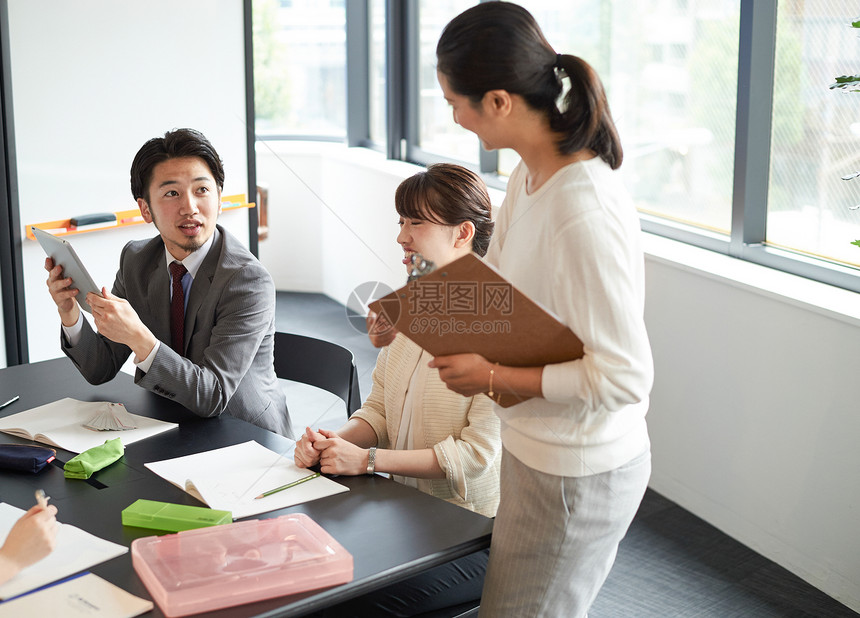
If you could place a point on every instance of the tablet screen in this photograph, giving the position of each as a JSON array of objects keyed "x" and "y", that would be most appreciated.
[{"x": 61, "y": 251}]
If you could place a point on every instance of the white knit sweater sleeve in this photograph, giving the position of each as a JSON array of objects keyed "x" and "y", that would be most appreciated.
[{"x": 597, "y": 283}]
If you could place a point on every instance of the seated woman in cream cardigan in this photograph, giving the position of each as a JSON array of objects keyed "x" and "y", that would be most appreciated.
[{"x": 412, "y": 426}]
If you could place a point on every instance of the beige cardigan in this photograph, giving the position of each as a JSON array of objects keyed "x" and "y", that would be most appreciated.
[{"x": 463, "y": 431}]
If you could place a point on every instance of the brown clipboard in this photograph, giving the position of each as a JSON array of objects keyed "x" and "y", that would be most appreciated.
[{"x": 467, "y": 306}]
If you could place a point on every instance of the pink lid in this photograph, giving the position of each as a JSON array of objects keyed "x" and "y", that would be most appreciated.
[{"x": 221, "y": 566}]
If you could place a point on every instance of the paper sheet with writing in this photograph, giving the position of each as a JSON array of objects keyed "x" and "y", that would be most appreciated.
[
  {"x": 61, "y": 424},
  {"x": 86, "y": 596},
  {"x": 75, "y": 551},
  {"x": 230, "y": 479}
]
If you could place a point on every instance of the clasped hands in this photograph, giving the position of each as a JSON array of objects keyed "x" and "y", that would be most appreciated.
[{"x": 334, "y": 454}]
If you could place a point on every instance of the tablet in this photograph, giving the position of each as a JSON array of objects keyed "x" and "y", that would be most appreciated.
[{"x": 61, "y": 251}]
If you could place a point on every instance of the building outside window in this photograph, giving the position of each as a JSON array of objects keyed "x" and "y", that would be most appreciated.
[
  {"x": 670, "y": 71},
  {"x": 300, "y": 67},
  {"x": 438, "y": 134},
  {"x": 816, "y": 132}
]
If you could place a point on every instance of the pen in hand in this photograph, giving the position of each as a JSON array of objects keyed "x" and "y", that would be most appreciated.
[
  {"x": 41, "y": 498},
  {"x": 11, "y": 401},
  {"x": 288, "y": 485}
]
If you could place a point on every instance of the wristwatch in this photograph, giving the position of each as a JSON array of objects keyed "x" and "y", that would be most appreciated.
[{"x": 371, "y": 460}]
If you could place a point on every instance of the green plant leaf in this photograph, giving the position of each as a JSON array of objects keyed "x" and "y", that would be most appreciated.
[
  {"x": 849, "y": 83},
  {"x": 856, "y": 242}
]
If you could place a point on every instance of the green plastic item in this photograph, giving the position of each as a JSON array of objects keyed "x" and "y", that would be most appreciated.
[
  {"x": 172, "y": 517},
  {"x": 92, "y": 460}
]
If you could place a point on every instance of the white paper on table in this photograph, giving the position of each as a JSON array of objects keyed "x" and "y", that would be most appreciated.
[
  {"x": 75, "y": 551},
  {"x": 61, "y": 424},
  {"x": 230, "y": 478},
  {"x": 81, "y": 597}
]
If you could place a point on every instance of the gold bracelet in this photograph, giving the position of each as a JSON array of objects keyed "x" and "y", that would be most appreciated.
[{"x": 490, "y": 392}]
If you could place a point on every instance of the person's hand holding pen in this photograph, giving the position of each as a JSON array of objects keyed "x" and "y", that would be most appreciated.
[{"x": 30, "y": 539}]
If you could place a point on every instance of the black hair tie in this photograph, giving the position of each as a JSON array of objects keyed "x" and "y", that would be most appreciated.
[{"x": 558, "y": 61}]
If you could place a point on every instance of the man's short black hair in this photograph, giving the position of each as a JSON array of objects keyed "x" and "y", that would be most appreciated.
[{"x": 176, "y": 144}]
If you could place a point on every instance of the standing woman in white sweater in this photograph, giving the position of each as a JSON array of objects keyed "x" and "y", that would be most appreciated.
[{"x": 576, "y": 454}]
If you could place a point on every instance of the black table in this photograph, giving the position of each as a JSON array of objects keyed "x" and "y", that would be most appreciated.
[{"x": 392, "y": 531}]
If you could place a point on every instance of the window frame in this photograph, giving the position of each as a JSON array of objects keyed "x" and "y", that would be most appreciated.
[
  {"x": 357, "y": 75},
  {"x": 11, "y": 267}
]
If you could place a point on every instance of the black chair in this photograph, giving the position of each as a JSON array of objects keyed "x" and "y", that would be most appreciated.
[{"x": 320, "y": 363}]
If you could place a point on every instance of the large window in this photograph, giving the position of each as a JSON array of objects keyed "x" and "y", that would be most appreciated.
[
  {"x": 670, "y": 71},
  {"x": 438, "y": 134},
  {"x": 300, "y": 67},
  {"x": 732, "y": 139},
  {"x": 816, "y": 132}
]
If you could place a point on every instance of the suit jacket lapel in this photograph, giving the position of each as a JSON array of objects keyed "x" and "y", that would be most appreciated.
[
  {"x": 201, "y": 284},
  {"x": 158, "y": 295}
]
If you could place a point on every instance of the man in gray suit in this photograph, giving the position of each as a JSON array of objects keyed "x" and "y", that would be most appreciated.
[{"x": 219, "y": 358}]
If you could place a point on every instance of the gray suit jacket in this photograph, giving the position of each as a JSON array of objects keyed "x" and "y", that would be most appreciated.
[{"x": 228, "y": 366}]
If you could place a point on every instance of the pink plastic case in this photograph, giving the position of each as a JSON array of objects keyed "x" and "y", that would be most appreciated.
[{"x": 211, "y": 568}]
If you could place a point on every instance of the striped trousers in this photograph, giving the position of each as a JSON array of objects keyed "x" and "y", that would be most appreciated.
[{"x": 555, "y": 538}]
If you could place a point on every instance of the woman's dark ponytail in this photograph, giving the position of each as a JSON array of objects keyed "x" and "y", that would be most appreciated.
[
  {"x": 582, "y": 118},
  {"x": 499, "y": 45}
]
